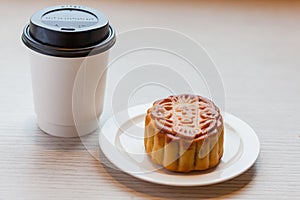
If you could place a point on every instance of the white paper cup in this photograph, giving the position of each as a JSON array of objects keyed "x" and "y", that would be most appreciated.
[
  {"x": 68, "y": 78},
  {"x": 53, "y": 83}
]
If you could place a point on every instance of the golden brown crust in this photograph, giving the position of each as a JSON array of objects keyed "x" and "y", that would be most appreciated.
[{"x": 184, "y": 133}]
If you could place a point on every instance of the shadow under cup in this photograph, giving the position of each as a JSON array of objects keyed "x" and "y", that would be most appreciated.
[{"x": 69, "y": 49}]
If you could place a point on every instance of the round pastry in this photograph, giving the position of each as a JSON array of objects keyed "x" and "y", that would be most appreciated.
[{"x": 184, "y": 133}]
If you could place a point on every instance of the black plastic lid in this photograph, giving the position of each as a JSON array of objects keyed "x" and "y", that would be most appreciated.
[{"x": 69, "y": 31}]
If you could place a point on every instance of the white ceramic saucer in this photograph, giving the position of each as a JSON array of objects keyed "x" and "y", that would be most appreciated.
[{"x": 121, "y": 140}]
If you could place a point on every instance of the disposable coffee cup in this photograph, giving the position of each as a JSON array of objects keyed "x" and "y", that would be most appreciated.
[{"x": 69, "y": 50}]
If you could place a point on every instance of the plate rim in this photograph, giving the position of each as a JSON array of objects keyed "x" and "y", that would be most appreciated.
[{"x": 142, "y": 176}]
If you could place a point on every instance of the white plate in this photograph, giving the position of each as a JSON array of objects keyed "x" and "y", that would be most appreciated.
[{"x": 121, "y": 140}]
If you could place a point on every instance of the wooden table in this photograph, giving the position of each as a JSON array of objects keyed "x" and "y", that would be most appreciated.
[{"x": 256, "y": 48}]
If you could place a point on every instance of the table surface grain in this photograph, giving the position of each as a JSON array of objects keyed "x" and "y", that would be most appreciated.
[{"x": 255, "y": 46}]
